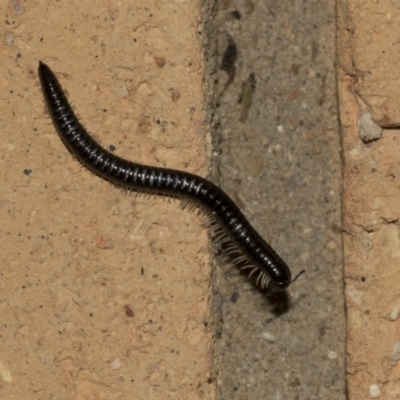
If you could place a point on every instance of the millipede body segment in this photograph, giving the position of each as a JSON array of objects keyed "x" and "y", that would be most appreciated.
[{"x": 272, "y": 271}]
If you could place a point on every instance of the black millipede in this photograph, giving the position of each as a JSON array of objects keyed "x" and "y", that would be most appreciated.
[{"x": 273, "y": 273}]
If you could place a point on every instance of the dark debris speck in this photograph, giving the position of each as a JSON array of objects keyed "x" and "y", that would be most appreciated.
[
  {"x": 129, "y": 312},
  {"x": 236, "y": 14},
  {"x": 234, "y": 297}
]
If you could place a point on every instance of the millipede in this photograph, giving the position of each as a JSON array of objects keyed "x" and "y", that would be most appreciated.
[{"x": 228, "y": 222}]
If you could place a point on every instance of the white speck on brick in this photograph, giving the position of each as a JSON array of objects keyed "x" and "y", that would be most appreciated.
[
  {"x": 394, "y": 315},
  {"x": 5, "y": 373},
  {"x": 369, "y": 129},
  {"x": 374, "y": 391},
  {"x": 9, "y": 38},
  {"x": 116, "y": 364},
  {"x": 353, "y": 294},
  {"x": 396, "y": 351}
]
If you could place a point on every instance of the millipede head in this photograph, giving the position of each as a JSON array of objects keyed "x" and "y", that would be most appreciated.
[{"x": 279, "y": 286}]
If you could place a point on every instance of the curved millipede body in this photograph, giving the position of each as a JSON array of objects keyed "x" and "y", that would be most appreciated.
[{"x": 271, "y": 269}]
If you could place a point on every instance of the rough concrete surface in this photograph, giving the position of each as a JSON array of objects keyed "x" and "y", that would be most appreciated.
[
  {"x": 103, "y": 295},
  {"x": 283, "y": 167},
  {"x": 369, "y": 87}
]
